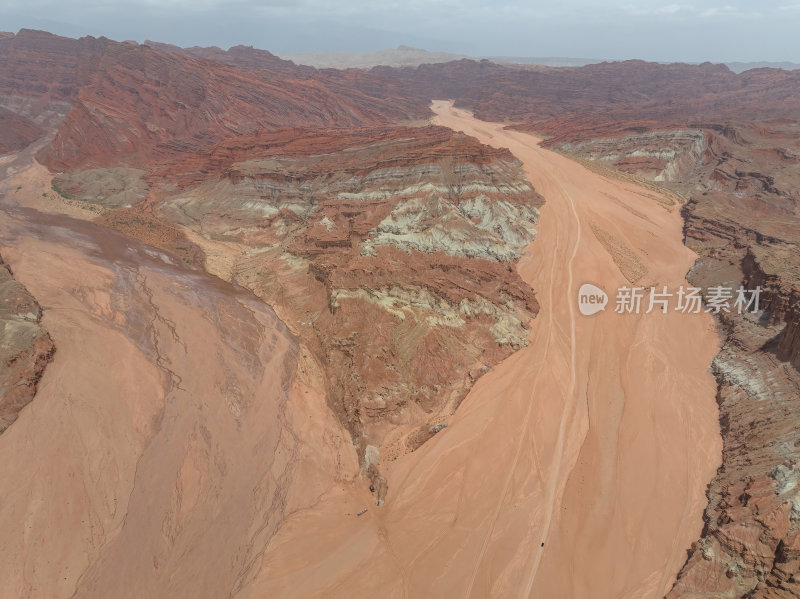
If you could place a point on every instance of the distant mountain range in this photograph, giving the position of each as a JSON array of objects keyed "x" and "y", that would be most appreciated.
[
  {"x": 406, "y": 56},
  {"x": 402, "y": 56},
  {"x": 740, "y": 67}
]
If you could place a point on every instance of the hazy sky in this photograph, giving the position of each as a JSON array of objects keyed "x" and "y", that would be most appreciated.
[{"x": 694, "y": 31}]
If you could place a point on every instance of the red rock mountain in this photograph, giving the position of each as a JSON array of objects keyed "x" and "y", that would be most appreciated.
[
  {"x": 132, "y": 103},
  {"x": 390, "y": 250},
  {"x": 368, "y": 224}
]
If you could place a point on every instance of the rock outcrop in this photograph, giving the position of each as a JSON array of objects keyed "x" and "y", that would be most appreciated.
[
  {"x": 25, "y": 347},
  {"x": 749, "y": 543},
  {"x": 391, "y": 253},
  {"x": 661, "y": 156},
  {"x": 789, "y": 346}
]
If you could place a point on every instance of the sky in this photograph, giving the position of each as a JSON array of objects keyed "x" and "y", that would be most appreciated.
[{"x": 692, "y": 31}]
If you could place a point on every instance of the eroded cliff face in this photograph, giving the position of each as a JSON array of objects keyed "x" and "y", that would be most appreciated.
[
  {"x": 667, "y": 155},
  {"x": 389, "y": 251},
  {"x": 789, "y": 346},
  {"x": 25, "y": 347},
  {"x": 750, "y": 544}
]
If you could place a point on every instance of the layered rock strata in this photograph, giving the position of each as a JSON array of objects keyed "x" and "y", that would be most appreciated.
[{"x": 389, "y": 251}]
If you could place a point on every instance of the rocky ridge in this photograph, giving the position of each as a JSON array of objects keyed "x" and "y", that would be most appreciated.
[{"x": 132, "y": 104}]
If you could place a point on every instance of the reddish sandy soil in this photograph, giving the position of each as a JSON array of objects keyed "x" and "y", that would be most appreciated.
[{"x": 181, "y": 443}]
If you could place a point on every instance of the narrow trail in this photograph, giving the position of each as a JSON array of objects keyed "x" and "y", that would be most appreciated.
[
  {"x": 559, "y": 451},
  {"x": 552, "y": 482},
  {"x": 522, "y": 438}
]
